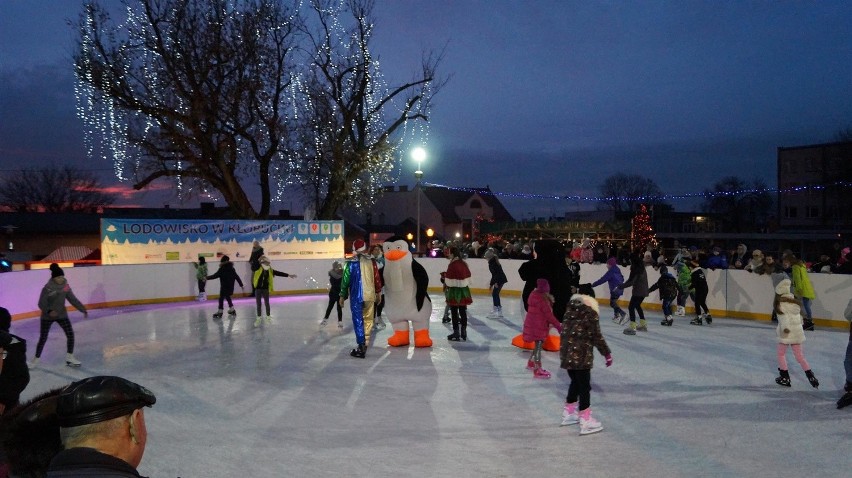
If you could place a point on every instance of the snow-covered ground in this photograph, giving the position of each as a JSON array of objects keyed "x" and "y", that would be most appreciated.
[{"x": 286, "y": 399}]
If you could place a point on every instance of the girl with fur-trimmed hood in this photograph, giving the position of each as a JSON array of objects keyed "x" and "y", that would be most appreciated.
[{"x": 790, "y": 333}]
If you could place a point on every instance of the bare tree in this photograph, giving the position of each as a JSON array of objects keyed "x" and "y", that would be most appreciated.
[
  {"x": 53, "y": 190},
  {"x": 354, "y": 115},
  {"x": 624, "y": 192},
  {"x": 193, "y": 90},
  {"x": 742, "y": 206}
]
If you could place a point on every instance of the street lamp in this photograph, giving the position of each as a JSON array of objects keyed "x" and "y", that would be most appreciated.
[{"x": 418, "y": 154}]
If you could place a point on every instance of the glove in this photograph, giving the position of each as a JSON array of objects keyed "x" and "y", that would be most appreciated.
[{"x": 608, "y": 358}]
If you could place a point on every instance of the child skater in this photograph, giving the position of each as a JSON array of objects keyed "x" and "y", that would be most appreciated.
[
  {"x": 682, "y": 272},
  {"x": 581, "y": 334},
  {"x": 668, "y": 287},
  {"x": 790, "y": 333},
  {"x": 614, "y": 279},
  {"x": 457, "y": 290},
  {"x": 498, "y": 279},
  {"x": 227, "y": 275},
  {"x": 698, "y": 290},
  {"x": 335, "y": 277},
  {"x": 201, "y": 277},
  {"x": 638, "y": 279},
  {"x": 537, "y": 324},
  {"x": 262, "y": 282}
]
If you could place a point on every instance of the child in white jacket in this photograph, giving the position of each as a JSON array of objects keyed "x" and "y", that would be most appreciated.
[{"x": 790, "y": 333}]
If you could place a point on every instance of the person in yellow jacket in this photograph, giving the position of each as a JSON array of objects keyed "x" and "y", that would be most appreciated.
[
  {"x": 802, "y": 287},
  {"x": 262, "y": 282}
]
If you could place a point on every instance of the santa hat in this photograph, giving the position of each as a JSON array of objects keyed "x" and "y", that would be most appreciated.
[
  {"x": 587, "y": 300},
  {"x": 359, "y": 245}
]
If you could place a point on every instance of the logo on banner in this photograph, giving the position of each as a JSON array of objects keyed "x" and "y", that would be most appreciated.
[
  {"x": 337, "y": 228},
  {"x": 326, "y": 228},
  {"x": 315, "y": 228},
  {"x": 303, "y": 228}
]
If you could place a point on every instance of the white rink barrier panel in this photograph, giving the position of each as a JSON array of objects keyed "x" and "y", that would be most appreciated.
[{"x": 733, "y": 293}]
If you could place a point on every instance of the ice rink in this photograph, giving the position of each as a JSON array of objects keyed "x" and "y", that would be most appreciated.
[{"x": 286, "y": 399}]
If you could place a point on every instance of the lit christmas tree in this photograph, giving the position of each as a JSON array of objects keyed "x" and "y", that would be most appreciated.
[{"x": 641, "y": 232}]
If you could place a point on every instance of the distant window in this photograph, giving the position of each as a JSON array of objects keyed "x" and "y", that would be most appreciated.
[
  {"x": 475, "y": 204},
  {"x": 811, "y": 211},
  {"x": 790, "y": 211}
]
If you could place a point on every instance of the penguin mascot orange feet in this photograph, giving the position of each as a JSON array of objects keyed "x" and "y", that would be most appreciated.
[{"x": 406, "y": 299}]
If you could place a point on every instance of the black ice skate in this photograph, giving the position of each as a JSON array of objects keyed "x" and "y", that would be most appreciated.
[
  {"x": 784, "y": 379},
  {"x": 812, "y": 378}
]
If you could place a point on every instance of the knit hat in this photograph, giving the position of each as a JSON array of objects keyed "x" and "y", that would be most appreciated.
[
  {"x": 56, "y": 271},
  {"x": 224, "y": 259},
  {"x": 264, "y": 260},
  {"x": 359, "y": 245},
  {"x": 542, "y": 286},
  {"x": 587, "y": 300},
  {"x": 611, "y": 261},
  {"x": 783, "y": 287}
]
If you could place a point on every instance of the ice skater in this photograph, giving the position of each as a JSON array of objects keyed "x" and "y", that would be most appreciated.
[
  {"x": 262, "y": 280},
  {"x": 614, "y": 280},
  {"x": 362, "y": 285},
  {"x": 638, "y": 280},
  {"x": 51, "y": 302},
  {"x": 581, "y": 334},
  {"x": 537, "y": 324},
  {"x": 698, "y": 290},
  {"x": 335, "y": 276},
  {"x": 802, "y": 287},
  {"x": 498, "y": 280},
  {"x": 790, "y": 334},
  {"x": 846, "y": 399},
  {"x": 201, "y": 277},
  {"x": 227, "y": 275},
  {"x": 457, "y": 290},
  {"x": 378, "y": 255},
  {"x": 668, "y": 288}
]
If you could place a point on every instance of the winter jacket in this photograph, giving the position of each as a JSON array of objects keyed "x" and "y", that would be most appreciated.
[
  {"x": 801, "y": 282},
  {"x": 53, "y": 296},
  {"x": 227, "y": 275},
  {"x": 717, "y": 261},
  {"x": 81, "y": 462},
  {"x": 667, "y": 285},
  {"x": 498, "y": 277},
  {"x": 457, "y": 281},
  {"x": 581, "y": 333},
  {"x": 698, "y": 281},
  {"x": 262, "y": 279},
  {"x": 683, "y": 277},
  {"x": 334, "y": 280},
  {"x": 200, "y": 271},
  {"x": 539, "y": 317},
  {"x": 614, "y": 279},
  {"x": 638, "y": 280},
  {"x": 254, "y": 258},
  {"x": 788, "y": 309},
  {"x": 15, "y": 374},
  {"x": 361, "y": 280}
]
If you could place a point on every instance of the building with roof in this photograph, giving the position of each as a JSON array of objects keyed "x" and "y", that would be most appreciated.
[{"x": 448, "y": 212}]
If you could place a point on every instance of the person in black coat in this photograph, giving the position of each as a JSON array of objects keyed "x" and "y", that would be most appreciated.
[
  {"x": 14, "y": 372},
  {"x": 548, "y": 263},
  {"x": 227, "y": 275}
]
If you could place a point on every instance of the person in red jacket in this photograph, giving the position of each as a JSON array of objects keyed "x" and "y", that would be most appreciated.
[
  {"x": 537, "y": 324},
  {"x": 457, "y": 290}
]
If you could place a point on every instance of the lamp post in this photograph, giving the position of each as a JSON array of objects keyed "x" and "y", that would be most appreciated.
[{"x": 418, "y": 154}]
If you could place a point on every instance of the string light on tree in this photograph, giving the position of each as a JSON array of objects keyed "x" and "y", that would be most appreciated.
[{"x": 641, "y": 232}]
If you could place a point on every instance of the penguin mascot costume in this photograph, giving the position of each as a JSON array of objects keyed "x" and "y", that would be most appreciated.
[
  {"x": 548, "y": 262},
  {"x": 405, "y": 294}
]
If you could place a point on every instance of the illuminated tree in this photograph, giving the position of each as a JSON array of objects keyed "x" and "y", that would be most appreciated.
[
  {"x": 641, "y": 232},
  {"x": 245, "y": 98},
  {"x": 53, "y": 190},
  {"x": 352, "y": 115}
]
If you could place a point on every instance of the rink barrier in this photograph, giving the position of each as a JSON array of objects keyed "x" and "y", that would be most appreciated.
[{"x": 733, "y": 293}]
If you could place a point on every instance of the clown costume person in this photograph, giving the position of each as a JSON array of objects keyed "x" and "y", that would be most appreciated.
[{"x": 362, "y": 285}]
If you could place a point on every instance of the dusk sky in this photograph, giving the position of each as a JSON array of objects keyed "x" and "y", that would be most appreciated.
[{"x": 545, "y": 97}]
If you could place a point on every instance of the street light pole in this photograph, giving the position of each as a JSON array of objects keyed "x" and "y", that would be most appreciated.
[{"x": 418, "y": 154}]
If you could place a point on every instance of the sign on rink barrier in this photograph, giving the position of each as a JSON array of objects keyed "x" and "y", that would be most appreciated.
[{"x": 152, "y": 241}]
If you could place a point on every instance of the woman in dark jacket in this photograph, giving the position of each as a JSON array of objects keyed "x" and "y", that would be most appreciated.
[
  {"x": 638, "y": 280},
  {"x": 498, "y": 279}
]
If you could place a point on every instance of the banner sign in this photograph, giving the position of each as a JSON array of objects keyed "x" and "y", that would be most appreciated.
[{"x": 150, "y": 241}]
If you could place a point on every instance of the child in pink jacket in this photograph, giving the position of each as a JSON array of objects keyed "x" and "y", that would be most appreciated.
[{"x": 537, "y": 324}]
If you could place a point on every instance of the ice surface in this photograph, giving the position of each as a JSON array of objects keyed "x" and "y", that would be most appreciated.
[{"x": 286, "y": 399}]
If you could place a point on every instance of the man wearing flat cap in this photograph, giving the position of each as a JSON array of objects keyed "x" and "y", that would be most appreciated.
[{"x": 102, "y": 426}]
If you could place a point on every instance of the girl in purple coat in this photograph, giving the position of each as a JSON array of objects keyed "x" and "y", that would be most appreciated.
[
  {"x": 614, "y": 280},
  {"x": 537, "y": 324}
]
